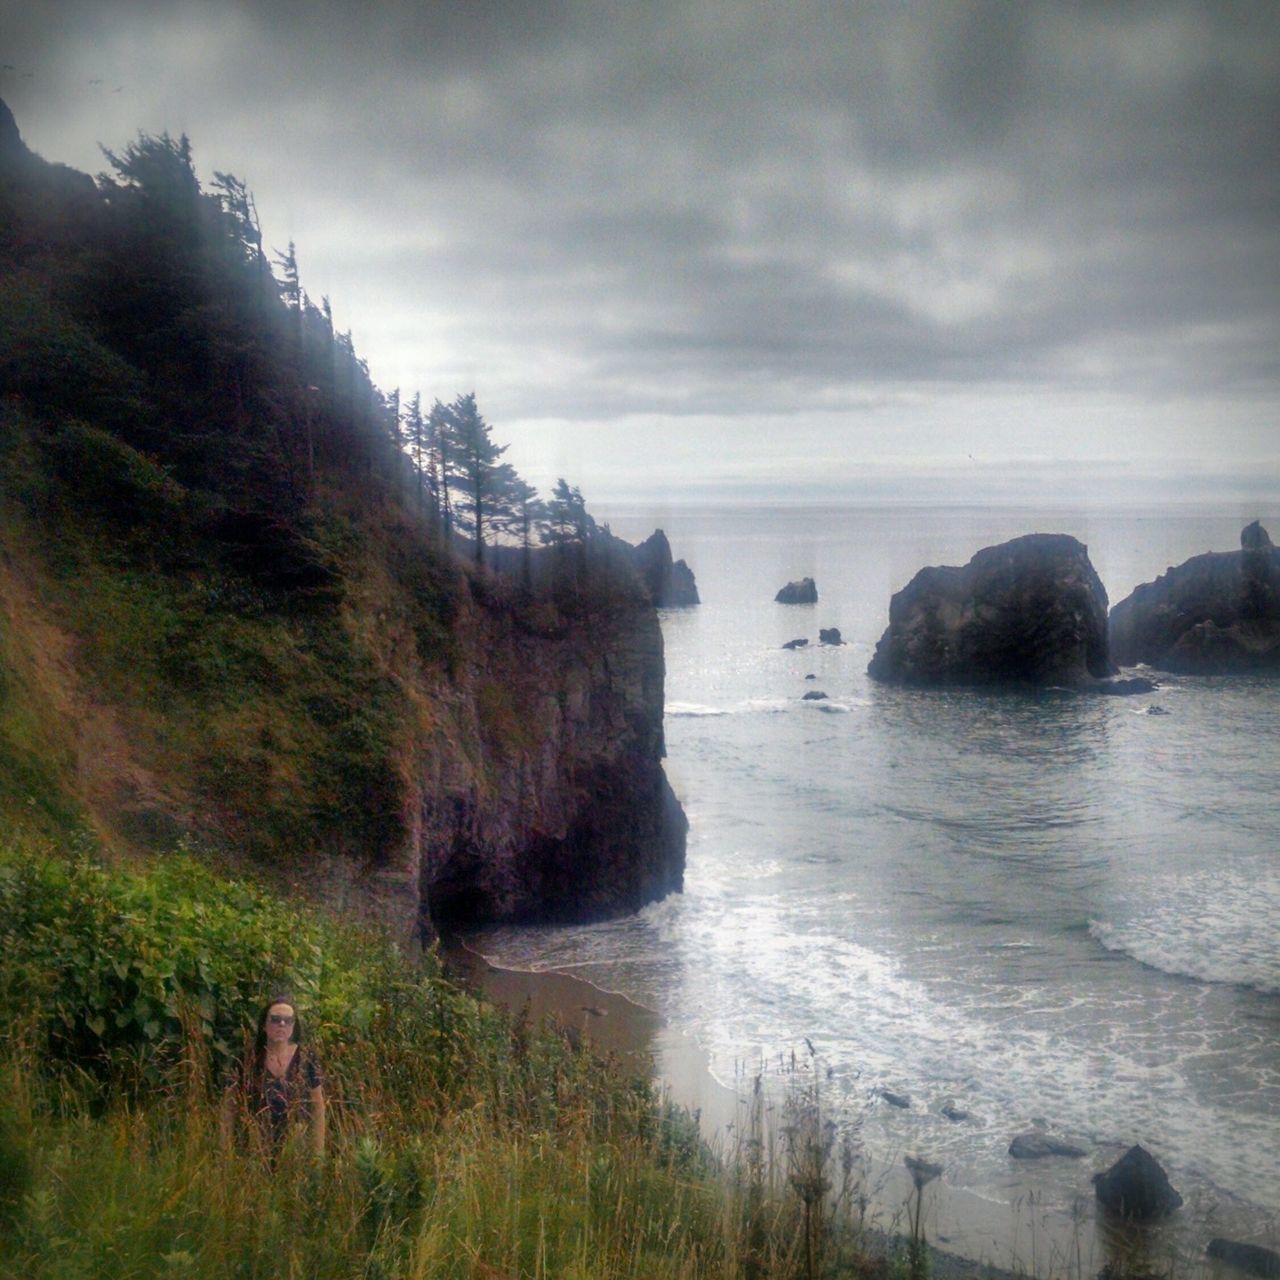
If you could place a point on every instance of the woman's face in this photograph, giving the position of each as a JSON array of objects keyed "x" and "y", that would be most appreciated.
[{"x": 280, "y": 1023}]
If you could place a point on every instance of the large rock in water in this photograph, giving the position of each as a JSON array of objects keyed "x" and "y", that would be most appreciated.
[
  {"x": 1217, "y": 613},
  {"x": 1029, "y": 611},
  {"x": 1136, "y": 1187},
  {"x": 805, "y": 591},
  {"x": 669, "y": 582}
]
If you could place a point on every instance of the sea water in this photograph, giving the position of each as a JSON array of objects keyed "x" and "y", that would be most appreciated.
[{"x": 1047, "y": 908}]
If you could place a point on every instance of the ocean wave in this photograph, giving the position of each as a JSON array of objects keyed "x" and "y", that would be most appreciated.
[
  {"x": 692, "y": 710},
  {"x": 1233, "y": 963}
]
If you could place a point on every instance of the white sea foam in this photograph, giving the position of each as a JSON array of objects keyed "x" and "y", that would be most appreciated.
[{"x": 1239, "y": 963}]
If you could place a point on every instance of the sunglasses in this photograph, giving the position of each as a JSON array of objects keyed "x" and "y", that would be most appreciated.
[{"x": 280, "y": 1019}]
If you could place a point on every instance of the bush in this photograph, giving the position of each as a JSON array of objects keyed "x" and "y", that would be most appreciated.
[{"x": 120, "y": 971}]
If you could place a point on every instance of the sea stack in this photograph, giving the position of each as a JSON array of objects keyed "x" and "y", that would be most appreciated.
[
  {"x": 805, "y": 591},
  {"x": 1031, "y": 611},
  {"x": 670, "y": 583},
  {"x": 1215, "y": 614}
]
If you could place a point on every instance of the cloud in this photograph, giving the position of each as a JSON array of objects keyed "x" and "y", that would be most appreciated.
[{"x": 702, "y": 209}]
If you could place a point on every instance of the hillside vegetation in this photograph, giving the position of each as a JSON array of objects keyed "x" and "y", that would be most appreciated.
[
  {"x": 243, "y": 591},
  {"x": 250, "y": 662}
]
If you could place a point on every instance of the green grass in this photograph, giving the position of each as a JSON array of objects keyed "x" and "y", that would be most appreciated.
[
  {"x": 462, "y": 1143},
  {"x": 267, "y": 709}
]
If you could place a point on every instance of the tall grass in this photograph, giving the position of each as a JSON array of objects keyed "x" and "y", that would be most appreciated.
[{"x": 462, "y": 1143}]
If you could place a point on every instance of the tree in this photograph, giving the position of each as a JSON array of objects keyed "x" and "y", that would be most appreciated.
[
  {"x": 567, "y": 519},
  {"x": 471, "y": 460},
  {"x": 470, "y": 443},
  {"x": 517, "y": 512}
]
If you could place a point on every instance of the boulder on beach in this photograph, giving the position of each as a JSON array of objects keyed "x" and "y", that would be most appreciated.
[
  {"x": 1031, "y": 611},
  {"x": 797, "y": 643},
  {"x": 1136, "y": 1187},
  {"x": 1035, "y": 1145},
  {"x": 829, "y": 635},
  {"x": 1215, "y": 614},
  {"x": 803, "y": 592},
  {"x": 1252, "y": 1258}
]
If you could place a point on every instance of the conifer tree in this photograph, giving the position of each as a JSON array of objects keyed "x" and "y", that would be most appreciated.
[{"x": 477, "y": 475}]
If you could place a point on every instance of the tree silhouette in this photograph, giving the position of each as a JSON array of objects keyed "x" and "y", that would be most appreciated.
[{"x": 477, "y": 477}]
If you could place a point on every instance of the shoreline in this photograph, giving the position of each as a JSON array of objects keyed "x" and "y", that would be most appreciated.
[{"x": 969, "y": 1235}]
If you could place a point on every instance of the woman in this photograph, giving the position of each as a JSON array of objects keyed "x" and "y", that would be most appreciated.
[{"x": 279, "y": 1084}]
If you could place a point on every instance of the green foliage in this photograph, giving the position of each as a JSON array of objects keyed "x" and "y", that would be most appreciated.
[
  {"x": 119, "y": 971},
  {"x": 56, "y": 363},
  {"x": 101, "y": 478}
]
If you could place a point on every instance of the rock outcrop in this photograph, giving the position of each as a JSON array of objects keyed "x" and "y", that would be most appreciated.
[
  {"x": 1217, "y": 613},
  {"x": 1136, "y": 1187},
  {"x": 1031, "y": 611},
  {"x": 1035, "y": 1145},
  {"x": 574, "y": 818},
  {"x": 1252, "y": 1258},
  {"x": 670, "y": 583},
  {"x": 830, "y": 635},
  {"x": 805, "y": 591}
]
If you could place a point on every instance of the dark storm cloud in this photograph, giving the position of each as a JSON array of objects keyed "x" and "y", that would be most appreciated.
[{"x": 714, "y": 207}]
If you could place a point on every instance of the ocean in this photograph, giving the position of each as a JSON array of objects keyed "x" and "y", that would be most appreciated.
[{"x": 1046, "y": 908}]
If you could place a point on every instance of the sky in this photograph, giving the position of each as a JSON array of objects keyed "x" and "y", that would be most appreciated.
[{"x": 969, "y": 251}]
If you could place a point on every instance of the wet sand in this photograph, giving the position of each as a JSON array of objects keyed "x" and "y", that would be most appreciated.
[{"x": 974, "y": 1236}]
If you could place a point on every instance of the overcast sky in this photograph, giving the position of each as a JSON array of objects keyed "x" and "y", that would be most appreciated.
[{"x": 969, "y": 251}]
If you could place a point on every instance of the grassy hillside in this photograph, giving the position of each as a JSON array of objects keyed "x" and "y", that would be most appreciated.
[{"x": 461, "y": 1145}]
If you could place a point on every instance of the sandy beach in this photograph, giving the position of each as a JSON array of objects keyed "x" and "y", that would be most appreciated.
[{"x": 969, "y": 1235}]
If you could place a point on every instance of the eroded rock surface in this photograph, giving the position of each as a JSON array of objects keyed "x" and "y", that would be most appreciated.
[
  {"x": 1029, "y": 611},
  {"x": 1215, "y": 614},
  {"x": 670, "y": 583},
  {"x": 1136, "y": 1187},
  {"x": 805, "y": 591}
]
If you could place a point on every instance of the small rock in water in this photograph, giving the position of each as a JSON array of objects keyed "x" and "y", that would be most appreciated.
[
  {"x": 829, "y": 635},
  {"x": 899, "y": 1100},
  {"x": 952, "y": 1112},
  {"x": 1036, "y": 1146},
  {"x": 1136, "y": 1187},
  {"x": 811, "y": 676},
  {"x": 1252, "y": 1258},
  {"x": 814, "y": 695},
  {"x": 796, "y": 644},
  {"x": 1157, "y": 711}
]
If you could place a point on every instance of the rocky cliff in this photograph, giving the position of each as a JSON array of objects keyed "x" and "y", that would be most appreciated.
[
  {"x": 229, "y": 613},
  {"x": 1216, "y": 613},
  {"x": 548, "y": 799},
  {"x": 670, "y": 582},
  {"x": 1029, "y": 611}
]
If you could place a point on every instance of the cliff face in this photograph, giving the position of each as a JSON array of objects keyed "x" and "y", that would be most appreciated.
[
  {"x": 1029, "y": 611},
  {"x": 550, "y": 802},
  {"x": 229, "y": 613},
  {"x": 1216, "y": 613}
]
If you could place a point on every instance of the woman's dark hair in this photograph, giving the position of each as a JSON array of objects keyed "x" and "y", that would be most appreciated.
[{"x": 260, "y": 1040}]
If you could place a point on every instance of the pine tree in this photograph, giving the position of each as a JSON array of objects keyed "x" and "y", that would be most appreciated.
[{"x": 476, "y": 456}]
